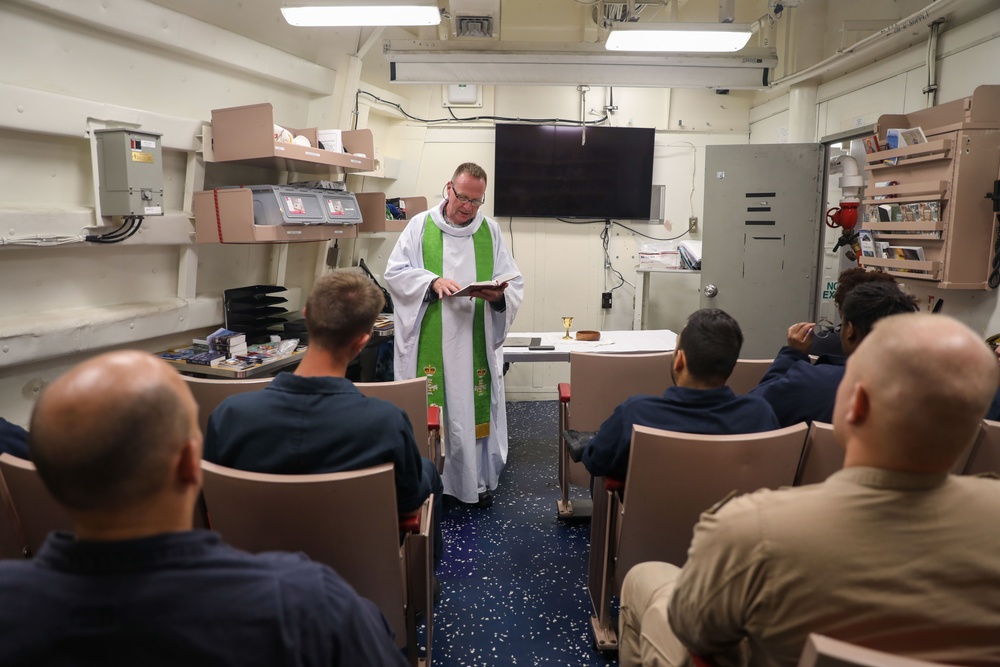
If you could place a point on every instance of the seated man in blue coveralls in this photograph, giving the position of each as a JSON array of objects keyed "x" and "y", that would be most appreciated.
[
  {"x": 13, "y": 439},
  {"x": 316, "y": 420},
  {"x": 800, "y": 390},
  {"x": 700, "y": 401},
  {"x": 116, "y": 442}
]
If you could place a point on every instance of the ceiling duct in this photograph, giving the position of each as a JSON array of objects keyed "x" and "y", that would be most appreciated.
[
  {"x": 530, "y": 63},
  {"x": 474, "y": 26},
  {"x": 474, "y": 19}
]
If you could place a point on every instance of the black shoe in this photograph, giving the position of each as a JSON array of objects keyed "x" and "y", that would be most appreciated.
[
  {"x": 436, "y": 588},
  {"x": 485, "y": 499}
]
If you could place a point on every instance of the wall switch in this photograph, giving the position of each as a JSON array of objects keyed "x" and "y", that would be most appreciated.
[
  {"x": 693, "y": 223},
  {"x": 606, "y": 300}
]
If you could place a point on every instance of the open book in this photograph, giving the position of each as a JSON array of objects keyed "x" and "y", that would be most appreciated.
[{"x": 496, "y": 282}]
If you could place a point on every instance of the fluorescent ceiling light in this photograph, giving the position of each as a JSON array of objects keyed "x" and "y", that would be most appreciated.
[
  {"x": 680, "y": 37},
  {"x": 532, "y": 63},
  {"x": 361, "y": 12}
]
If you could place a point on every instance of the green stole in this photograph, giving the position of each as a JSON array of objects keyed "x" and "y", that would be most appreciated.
[{"x": 430, "y": 355}]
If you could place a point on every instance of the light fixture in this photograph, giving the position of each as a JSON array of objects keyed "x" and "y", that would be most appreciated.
[
  {"x": 361, "y": 12},
  {"x": 679, "y": 37},
  {"x": 533, "y": 63}
]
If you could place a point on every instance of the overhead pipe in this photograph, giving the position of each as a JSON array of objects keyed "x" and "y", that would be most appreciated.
[
  {"x": 931, "y": 90},
  {"x": 856, "y": 52}
]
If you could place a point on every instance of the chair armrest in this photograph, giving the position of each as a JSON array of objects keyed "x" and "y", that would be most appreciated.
[
  {"x": 563, "y": 388},
  {"x": 434, "y": 418},
  {"x": 702, "y": 661},
  {"x": 614, "y": 484},
  {"x": 412, "y": 522}
]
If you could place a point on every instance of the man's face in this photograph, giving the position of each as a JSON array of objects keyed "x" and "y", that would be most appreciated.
[{"x": 471, "y": 190}]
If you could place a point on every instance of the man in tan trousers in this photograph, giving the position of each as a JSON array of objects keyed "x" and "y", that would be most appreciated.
[{"x": 891, "y": 552}]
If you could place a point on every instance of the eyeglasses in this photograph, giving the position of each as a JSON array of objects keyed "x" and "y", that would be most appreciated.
[
  {"x": 466, "y": 200},
  {"x": 824, "y": 328}
]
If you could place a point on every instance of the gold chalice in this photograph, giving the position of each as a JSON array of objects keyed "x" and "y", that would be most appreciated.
[{"x": 567, "y": 322}]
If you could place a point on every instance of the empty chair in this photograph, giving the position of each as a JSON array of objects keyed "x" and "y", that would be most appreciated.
[
  {"x": 821, "y": 651},
  {"x": 672, "y": 478},
  {"x": 599, "y": 383},
  {"x": 209, "y": 392},
  {"x": 411, "y": 397},
  {"x": 346, "y": 520},
  {"x": 985, "y": 455},
  {"x": 821, "y": 457},
  {"x": 747, "y": 374},
  {"x": 37, "y": 510}
]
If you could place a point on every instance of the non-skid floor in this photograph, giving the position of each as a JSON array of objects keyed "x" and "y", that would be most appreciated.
[{"x": 513, "y": 577}]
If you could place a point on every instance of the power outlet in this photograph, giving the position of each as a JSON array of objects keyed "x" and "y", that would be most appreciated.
[
  {"x": 693, "y": 224},
  {"x": 605, "y": 300}
]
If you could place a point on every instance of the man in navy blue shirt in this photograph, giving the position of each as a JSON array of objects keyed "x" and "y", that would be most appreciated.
[
  {"x": 316, "y": 420},
  {"x": 13, "y": 439},
  {"x": 700, "y": 401},
  {"x": 116, "y": 441},
  {"x": 800, "y": 390}
]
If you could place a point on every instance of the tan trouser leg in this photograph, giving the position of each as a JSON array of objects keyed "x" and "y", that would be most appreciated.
[{"x": 644, "y": 637}]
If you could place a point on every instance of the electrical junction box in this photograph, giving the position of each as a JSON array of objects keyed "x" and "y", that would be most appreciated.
[{"x": 130, "y": 172}]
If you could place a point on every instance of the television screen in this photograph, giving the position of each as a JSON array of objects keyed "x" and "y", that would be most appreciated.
[{"x": 547, "y": 171}]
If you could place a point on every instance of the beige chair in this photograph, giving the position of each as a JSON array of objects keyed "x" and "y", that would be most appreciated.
[
  {"x": 985, "y": 455},
  {"x": 747, "y": 374},
  {"x": 599, "y": 383},
  {"x": 821, "y": 457},
  {"x": 346, "y": 520},
  {"x": 37, "y": 511},
  {"x": 209, "y": 392},
  {"x": 12, "y": 544},
  {"x": 411, "y": 397},
  {"x": 672, "y": 478},
  {"x": 821, "y": 651}
]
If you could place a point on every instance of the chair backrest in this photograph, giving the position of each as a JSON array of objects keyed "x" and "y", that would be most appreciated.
[
  {"x": 985, "y": 455},
  {"x": 821, "y": 457},
  {"x": 346, "y": 520},
  {"x": 821, "y": 651},
  {"x": 209, "y": 392},
  {"x": 747, "y": 374},
  {"x": 674, "y": 477},
  {"x": 411, "y": 397},
  {"x": 599, "y": 382},
  {"x": 37, "y": 510}
]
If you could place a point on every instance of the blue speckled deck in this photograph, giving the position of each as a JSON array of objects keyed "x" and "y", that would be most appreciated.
[{"x": 513, "y": 577}]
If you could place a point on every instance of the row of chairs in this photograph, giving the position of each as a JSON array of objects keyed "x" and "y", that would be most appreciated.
[
  {"x": 346, "y": 520},
  {"x": 673, "y": 476}
]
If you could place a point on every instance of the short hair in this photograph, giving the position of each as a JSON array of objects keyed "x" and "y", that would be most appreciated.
[
  {"x": 867, "y": 303},
  {"x": 711, "y": 341},
  {"x": 342, "y": 306},
  {"x": 472, "y": 169},
  {"x": 851, "y": 278},
  {"x": 117, "y": 456}
]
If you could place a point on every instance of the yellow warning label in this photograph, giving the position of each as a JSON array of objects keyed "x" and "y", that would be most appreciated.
[{"x": 139, "y": 156}]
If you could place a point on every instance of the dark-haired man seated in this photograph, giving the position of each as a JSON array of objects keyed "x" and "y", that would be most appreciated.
[
  {"x": 800, "y": 390},
  {"x": 316, "y": 420},
  {"x": 846, "y": 281},
  {"x": 699, "y": 401},
  {"x": 116, "y": 441},
  {"x": 891, "y": 553}
]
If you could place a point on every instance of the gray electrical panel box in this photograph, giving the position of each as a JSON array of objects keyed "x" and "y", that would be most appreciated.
[{"x": 130, "y": 172}]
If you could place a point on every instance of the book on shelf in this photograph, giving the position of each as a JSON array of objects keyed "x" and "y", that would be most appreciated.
[
  {"x": 912, "y": 136},
  {"x": 206, "y": 359},
  {"x": 485, "y": 284},
  {"x": 866, "y": 242},
  {"x": 913, "y": 253},
  {"x": 871, "y": 144}
]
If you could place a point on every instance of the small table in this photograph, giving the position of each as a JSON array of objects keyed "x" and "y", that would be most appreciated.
[{"x": 267, "y": 367}]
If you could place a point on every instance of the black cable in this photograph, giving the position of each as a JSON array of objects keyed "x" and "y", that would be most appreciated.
[
  {"x": 606, "y": 242},
  {"x": 654, "y": 238},
  {"x": 455, "y": 118},
  {"x": 117, "y": 236}
]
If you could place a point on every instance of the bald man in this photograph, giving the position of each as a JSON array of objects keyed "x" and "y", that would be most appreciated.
[
  {"x": 116, "y": 441},
  {"x": 891, "y": 552}
]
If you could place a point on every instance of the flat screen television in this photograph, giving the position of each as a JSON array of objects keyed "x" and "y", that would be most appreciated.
[{"x": 548, "y": 171}]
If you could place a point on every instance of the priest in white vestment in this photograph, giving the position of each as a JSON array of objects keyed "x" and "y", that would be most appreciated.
[{"x": 458, "y": 341}]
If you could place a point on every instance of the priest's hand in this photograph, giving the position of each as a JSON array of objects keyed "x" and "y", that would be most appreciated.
[
  {"x": 491, "y": 294},
  {"x": 445, "y": 287}
]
